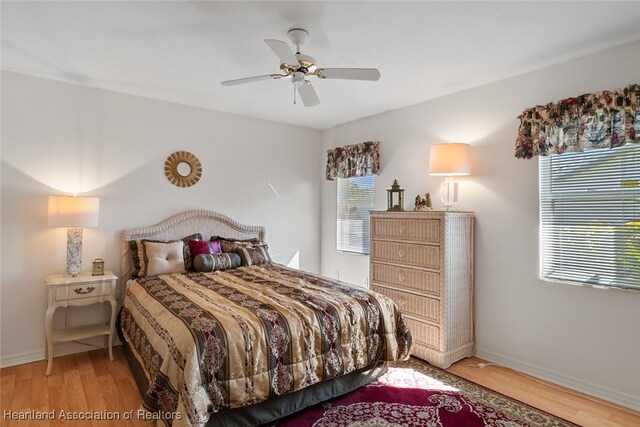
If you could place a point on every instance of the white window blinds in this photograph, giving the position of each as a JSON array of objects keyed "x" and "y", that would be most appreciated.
[
  {"x": 355, "y": 200},
  {"x": 590, "y": 217}
]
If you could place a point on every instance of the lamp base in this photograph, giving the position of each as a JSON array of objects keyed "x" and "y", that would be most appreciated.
[
  {"x": 74, "y": 251},
  {"x": 449, "y": 193}
]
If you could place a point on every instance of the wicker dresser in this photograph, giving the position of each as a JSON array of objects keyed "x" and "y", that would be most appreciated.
[{"x": 424, "y": 262}]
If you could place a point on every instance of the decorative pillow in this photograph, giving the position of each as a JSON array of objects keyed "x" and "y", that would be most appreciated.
[
  {"x": 163, "y": 257},
  {"x": 198, "y": 247},
  {"x": 188, "y": 257},
  {"x": 138, "y": 255},
  {"x": 213, "y": 262},
  {"x": 253, "y": 256},
  {"x": 228, "y": 245},
  {"x": 216, "y": 246},
  {"x": 232, "y": 245}
]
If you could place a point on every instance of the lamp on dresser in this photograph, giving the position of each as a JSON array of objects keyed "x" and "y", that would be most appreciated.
[
  {"x": 449, "y": 160},
  {"x": 74, "y": 213}
]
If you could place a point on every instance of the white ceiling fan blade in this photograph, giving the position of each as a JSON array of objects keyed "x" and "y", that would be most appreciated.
[
  {"x": 283, "y": 51},
  {"x": 308, "y": 95},
  {"x": 251, "y": 79},
  {"x": 371, "y": 74}
]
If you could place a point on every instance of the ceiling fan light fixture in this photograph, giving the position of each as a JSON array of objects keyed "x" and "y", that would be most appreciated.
[{"x": 298, "y": 78}]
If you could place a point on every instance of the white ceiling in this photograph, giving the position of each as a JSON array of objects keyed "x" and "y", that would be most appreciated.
[{"x": 181, "y": 51}]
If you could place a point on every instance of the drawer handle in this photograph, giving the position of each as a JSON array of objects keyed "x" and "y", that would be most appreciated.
[
  {"x": 402, "y": 301},
  {"x": 402, "y": 277},
  {"x": 400, "y": 253},
  {"x": 402, "y": 229},
  {"x": 86, "y": 291}
]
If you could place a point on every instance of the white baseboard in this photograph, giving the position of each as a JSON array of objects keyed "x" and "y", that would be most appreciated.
[
  {"x": 624, "y": 399},
  {"x": 61, "y": 349}
]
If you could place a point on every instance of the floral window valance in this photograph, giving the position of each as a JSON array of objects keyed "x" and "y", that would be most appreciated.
[
  {"x": 353, "y": 160},
  {"x": 605, "y": 119}
]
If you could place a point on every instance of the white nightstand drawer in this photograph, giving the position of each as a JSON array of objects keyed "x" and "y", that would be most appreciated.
[{"x": 79, "y": 291}]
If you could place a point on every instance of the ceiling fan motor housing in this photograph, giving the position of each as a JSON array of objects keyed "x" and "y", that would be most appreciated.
[{"x": 307, "y": 63}]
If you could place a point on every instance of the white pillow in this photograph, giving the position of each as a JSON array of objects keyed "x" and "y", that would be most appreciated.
[{"x": 164, "y": 258}]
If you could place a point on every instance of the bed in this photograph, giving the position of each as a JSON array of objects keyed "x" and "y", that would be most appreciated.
[{"x": 249, "y": 345}]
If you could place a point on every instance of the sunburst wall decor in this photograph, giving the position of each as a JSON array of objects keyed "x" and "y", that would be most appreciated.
[{"x": 190, "y": 169}]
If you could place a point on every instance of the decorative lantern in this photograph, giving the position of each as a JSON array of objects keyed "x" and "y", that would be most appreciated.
[{"x": 395, "y": 197}]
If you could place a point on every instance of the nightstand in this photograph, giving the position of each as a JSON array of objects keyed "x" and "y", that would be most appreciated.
[{"x": 84, "y": 289}]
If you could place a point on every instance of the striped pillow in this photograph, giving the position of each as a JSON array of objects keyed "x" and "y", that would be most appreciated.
[
  {"x": 137, "y": 258},
  {"x": 234, "y": 245},
  {"x": 253, "y": 256}
]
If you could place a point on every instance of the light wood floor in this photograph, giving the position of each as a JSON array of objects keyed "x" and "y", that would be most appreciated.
[
  {"x": 90, "y": 382},
  {"x": 570, "y": 405},
  {"x": 78, "y": 383}
]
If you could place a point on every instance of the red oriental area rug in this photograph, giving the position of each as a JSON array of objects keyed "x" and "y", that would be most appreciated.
[{"x": 415, "y": 394}]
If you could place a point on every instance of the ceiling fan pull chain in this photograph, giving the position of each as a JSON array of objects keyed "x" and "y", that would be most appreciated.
[{"x": 294, "y": 94}]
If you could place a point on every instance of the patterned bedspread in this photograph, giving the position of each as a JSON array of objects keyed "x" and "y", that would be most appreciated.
[{"x": 237, "y": 337}]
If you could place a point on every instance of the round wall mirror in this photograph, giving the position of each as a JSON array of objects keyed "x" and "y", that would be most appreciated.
[{"x": 182, "y": 169}]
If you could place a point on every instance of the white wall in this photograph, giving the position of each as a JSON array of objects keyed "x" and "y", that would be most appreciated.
[
  {"x": 586, "y": 338},
  {"x": 59, "y": 138}
]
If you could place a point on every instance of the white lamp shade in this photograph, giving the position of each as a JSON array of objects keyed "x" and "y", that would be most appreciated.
[
  {"x": 449, "y": 160},
  {"x": 68, "y": 211}
]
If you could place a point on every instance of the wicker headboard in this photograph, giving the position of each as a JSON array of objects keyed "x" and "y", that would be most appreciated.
[{"x": 207, "y": 223}]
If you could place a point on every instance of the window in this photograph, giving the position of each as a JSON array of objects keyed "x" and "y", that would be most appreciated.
[
  {"x": 590, "y": 217},
  {"x": 355, "y": 200}
]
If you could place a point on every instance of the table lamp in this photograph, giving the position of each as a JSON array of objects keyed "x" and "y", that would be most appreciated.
[
  {"x": 449, "y": 160},
  {"x": 74, "y": 213}
]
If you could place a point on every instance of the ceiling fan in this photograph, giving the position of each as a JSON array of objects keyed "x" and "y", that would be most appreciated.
[{"x": 298, "y": 66}]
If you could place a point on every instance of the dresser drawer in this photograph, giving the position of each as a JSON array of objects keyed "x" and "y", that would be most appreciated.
[
  {"x": 407, "y": 278},
  {"x": 424, "y": 333},
  {"x": 92, "y": 290},
  {"x": 421, "y": 230},
  {"x": 406, "y": 253},
  {"x": 416, "y": 305}
]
